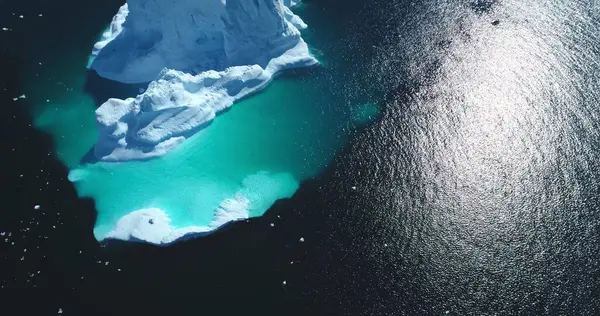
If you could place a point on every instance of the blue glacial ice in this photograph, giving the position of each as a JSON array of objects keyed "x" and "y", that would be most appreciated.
[{"x": 199, "y": 58}]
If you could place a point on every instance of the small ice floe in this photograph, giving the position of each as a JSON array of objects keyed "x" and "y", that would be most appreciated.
[
  {"x": 36, "y": 207},
  {"x": 272, "y": 225},
  {"x": 22, "y": 96},
  {"x": 284, "y": 282},
  {"x": 20, "y": 16},
  {"x": 301, "y": 239},
  {"x": 40, "y": 14},
  {"x": 5, "y": 29},
  {"x": 60, "y": 310},
  {"x": 106, "y": 263},
  {"x": 354, "y": 188}
]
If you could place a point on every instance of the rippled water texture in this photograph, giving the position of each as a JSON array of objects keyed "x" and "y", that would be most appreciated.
[{"x": 482, "y": 177}]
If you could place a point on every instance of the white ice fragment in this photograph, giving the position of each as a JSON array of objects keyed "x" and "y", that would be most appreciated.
[
  {"x": 60, "y": 311},
  {"x": 36, "y": 207},
  {"x": 40, "y": 14},
  {"x": 301, "y": 239},
  {"x": 272, "y": 225},
  {"x": 284, "y": 282},
  {"x": 20, "y": 16},
  {"x": 5, "y": 29},
  {"x": 353, "y": 188}
]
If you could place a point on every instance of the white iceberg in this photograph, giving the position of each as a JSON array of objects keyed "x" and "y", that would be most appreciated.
[{"x": 207, "y": 54}]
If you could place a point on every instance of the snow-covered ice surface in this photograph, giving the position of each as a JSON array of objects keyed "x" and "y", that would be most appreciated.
[{"x": 207, "y": 54}]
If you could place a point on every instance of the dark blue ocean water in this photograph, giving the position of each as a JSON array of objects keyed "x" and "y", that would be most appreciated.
[{"x": 476, "y": 193}]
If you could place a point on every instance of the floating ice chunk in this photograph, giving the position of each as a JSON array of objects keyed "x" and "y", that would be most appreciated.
[
  {"x": 36, "y": 207},
  {"x": 5, "y": 29},
  {"x": 301, "y": 239}
]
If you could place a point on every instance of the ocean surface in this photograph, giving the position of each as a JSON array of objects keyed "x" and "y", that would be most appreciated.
[{"x": 475, "y": 191}]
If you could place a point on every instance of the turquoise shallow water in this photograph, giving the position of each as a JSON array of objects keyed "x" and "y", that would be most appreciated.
[{"x": 262, "y": 147}]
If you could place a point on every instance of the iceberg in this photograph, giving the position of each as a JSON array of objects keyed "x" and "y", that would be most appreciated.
[{"x": 199, "y": 57}]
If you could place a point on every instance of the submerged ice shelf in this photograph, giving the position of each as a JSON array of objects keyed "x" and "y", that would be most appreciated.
[{"x": 199, "y": 57}]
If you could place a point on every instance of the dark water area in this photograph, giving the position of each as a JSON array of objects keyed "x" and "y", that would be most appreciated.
[{"x": 476, "y": 193}]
